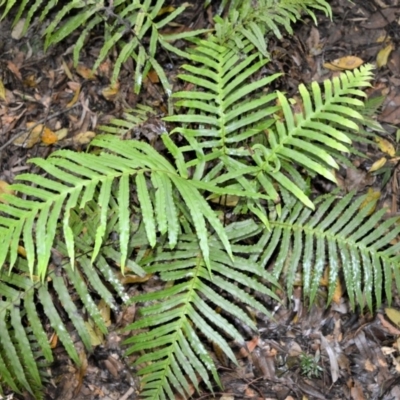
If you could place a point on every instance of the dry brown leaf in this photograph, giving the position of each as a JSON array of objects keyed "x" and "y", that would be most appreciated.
[
  {"x": 344, "y": 63},
  {"x": 383, "y": 55},
  {"x": 378, "y": 164},
  {"x": 76, "y": 88},
  {"x": 14, "y": 69},
  {"x": 388, "y": 326},
  {"x": 111, "y": 91},
  {"x": 153, "y": 76},
  {"x": 381, "y": 18},
  {"x": 85, "y": 72}
]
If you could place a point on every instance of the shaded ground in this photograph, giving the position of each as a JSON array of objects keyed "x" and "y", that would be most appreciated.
[{"x": 351, "y": 355}]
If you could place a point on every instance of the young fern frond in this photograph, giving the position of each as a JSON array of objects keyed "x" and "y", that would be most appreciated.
[{"x": 182, "y": 314}]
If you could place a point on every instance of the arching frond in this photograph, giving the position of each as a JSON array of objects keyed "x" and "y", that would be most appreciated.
[
  {"x": 180, "y": 316},
  {"x": 341, "y": 236}
]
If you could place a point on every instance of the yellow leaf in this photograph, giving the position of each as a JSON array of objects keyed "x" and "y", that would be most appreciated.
[
  {"x": 383, "y": 55},
  {"x": 378, "y": 164},
  {"x": 4, "y": 189},
  {"x": 385, "y": 146},
  {"x": 372, "y": 196},
  {"x": 61, "y": 133},
  {"x": 2, "y": 91},
  {"x": 31, "y": 137},
  {"x": 83, "y": 138},
  {"x": 347, "y": 62},
  {"x": 110, "y": 91},
  {"x": 393, "y": 315},
  {"x": 22, "y": 251},
  {"x": 104, "y": 309},
  {"x": 96, "y": 339}
]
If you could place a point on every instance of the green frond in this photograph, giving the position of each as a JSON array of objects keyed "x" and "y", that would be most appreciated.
[
  {"x": 336, "y": 237},
  {"x": 180, "y": 315},
  {"x": 252, "y": 22}
]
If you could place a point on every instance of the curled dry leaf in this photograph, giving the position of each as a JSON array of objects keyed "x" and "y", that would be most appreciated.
[{"x": 344, "y": 63}]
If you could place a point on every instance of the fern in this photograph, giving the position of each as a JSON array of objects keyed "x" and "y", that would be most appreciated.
[
  {"x": 251, "y": 22},
  {"x": 156, "y": 206},
  {"x": 223, "y": 118},
  {"x": 120, "y": 20},
  {"x": 181, "y": 314}
]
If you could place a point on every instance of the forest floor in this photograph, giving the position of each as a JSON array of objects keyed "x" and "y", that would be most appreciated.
[{"x": 305, "y": 353}]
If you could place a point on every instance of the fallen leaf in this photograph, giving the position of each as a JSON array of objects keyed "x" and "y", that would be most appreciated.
[
  {"x": 61, "y": 134},
  {"x": 76, "y": 88},
  {"x": 381, "y": 18},
  {"x": 393, "y": 315},
  {"x": 31, "y": 137},
  {"x": 85, "y": 72},
  {"x": 111, "y": 91},
  {"x": 383, "y": 55},
  {"x": 344, "y": 63},
  {"x": 153, "y": 76},
  {"x": 378, "y": 164},
  {"x": 2, "y": 91},
  {"x": 83, "y": 138},
  {"x": 49, "y": 137},
  {"x": 385, "y": 146},
  {"x": 372, "y": 197},
  {"x": 4, "y": 189},
  {"x": 18, "y": 29}
]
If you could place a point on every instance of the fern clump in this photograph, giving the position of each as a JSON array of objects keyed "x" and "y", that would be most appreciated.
[{"x": 126, "y": 204}]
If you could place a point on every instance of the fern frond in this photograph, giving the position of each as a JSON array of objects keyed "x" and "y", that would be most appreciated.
[
  {"x": 337, "y": 237},
  {"x": 24, "y": 342},
  {"x": 79, "y": 178},
  {"x": 252, "y": 22},
  {"x": 181, "y": 314}
]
